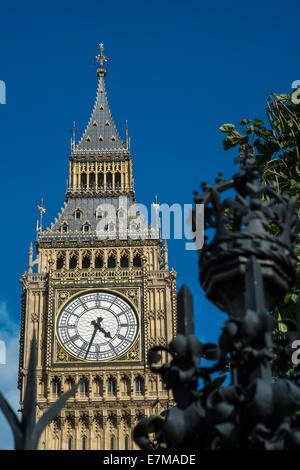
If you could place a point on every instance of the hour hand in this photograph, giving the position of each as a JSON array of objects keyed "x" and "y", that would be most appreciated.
[
  {"x": 106, "y": 333},
  {"x": 97, "y": 322}
]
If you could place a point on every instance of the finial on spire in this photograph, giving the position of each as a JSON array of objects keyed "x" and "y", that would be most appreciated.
[
  {"x": 30, "y": 255},
  {"x": 73, "y": 131},
  {"x": 156, "y": 207},
  {"x": 101, "y": 58},
  {"x": 42, "y": 210},
  {"x": 127, "y": 136}
]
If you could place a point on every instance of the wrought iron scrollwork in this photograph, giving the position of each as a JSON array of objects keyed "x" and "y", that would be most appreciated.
[{"x": 245, "y": 267}]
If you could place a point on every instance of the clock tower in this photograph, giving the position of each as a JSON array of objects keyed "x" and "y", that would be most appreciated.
[{"x": 98, "y": 294}]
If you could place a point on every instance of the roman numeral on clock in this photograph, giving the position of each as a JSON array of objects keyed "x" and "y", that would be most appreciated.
[{"x": 74, "y": 338}]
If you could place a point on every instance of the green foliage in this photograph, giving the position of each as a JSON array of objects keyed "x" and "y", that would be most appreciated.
[{"x": 276, "y": 147}]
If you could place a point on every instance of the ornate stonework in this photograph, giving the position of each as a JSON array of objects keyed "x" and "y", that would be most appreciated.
[{"x": 71, "y": 261}]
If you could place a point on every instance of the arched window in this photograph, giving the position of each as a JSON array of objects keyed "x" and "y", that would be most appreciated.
[
  {"x": 98, "y": 261},
  {"x": 100, "y": 180},
  {"x": 69, "y": 382},
  {"x": 117, "y": 180},
  {"x": 137, "y": 261},
  {"x": 108, "y": 180},
  {"x": 139, "y": 385},
  {"x": 111, "y": 386},
  {"x": 86, "y": 261},
  {"x": 99, "y": 386},
  {"x": 73, "y": 262},
  {"x": 84, "y": 387},
  {"x": 70, "y": 443},
  {"x": 100, "y": 213},
  {"x": 84, "y": 443},
  {"x": 83, "y": 180},
  {"x": 86, "y": 227},
  {"x": 56, "y": 386},
  {"x": 112, "y": 443},
  {"x": 60, "y": 261},
  {"x": 124, "y": 262},
  {"x": 77, "y": 214},
  {"x": 64, "y": 228},
  {"x": 126, "y": 443},
  {"x": 92, "y": 180},
  {"x": 111, "y": 262}
]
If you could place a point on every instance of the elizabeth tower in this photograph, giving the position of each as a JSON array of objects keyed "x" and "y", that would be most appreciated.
[{"x": 97, "y": 298}]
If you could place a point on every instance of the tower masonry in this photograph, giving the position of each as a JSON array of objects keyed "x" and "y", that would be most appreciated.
[{"x": 98, "y": 294}]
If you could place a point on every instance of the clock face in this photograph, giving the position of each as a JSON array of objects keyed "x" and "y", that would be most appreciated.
[{"x": 97, "y": 326}]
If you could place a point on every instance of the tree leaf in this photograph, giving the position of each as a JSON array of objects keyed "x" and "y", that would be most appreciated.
[
  {"x": 244, "y": 122},
  {"x": 227, "y": 128},
  {"x": 258, "y": 122}
]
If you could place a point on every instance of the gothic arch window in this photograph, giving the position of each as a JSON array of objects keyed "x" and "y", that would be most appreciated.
[
  {"x": 70, "y": 443},
  {"x": 100, "y": 213},
  {"x": 124, "y": 261},
  {"x": 64, "y": 228},
  {"x": 112, "y": 442},
  {"x": 86, "y": 227},
  {"x": 98, "y": 261},
  {"x": 86, "y": 261},
  {"x": 125, "y": 385},
  {"x": 69, "y": 382},
  {"x": 92, "y": 180},
  {"x": 139, "y": 385},
  {"x": 100, "y": 180},
  {"x": 109, "y": 180},
  {"x": 111, "y": 385},
  {"x": 73, "y": 261},
  {"x": 118, "y": 179},
  {"x": 77, "y": 214},
  {"x": 83, "y": 180},
  {"x": 60, "y": 261},
  {"x": 56, "y": 386},
  {"x": 98, "y": 386},
  {"x": 84, "y": 387},
  {"x": 126, "y": 443},
  {"x": 137, "y": 260},
  {"x": 111, "y": 261}
]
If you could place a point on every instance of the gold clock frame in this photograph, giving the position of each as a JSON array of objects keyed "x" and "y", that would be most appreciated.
[{"x": 90, "y": 290}]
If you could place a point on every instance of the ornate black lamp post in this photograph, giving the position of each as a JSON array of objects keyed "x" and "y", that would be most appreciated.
[{"x": 244, "y": 269}]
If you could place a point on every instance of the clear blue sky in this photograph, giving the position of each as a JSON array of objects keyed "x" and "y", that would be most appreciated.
[{"x": 178, "y": 70}]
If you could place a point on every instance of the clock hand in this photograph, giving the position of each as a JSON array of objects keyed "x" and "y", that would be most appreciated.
[
  {"x": 96, "y": 327},
  {"x": 106, "y": 333}
]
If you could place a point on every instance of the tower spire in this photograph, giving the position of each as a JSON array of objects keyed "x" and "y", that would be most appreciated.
[{"x": 101, "y": 136}]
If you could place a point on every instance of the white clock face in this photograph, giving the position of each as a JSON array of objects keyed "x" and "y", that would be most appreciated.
[{"x": 97, "y": 326}]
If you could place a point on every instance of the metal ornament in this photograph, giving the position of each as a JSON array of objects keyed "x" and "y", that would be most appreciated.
[{"x": 245, "y": 267}]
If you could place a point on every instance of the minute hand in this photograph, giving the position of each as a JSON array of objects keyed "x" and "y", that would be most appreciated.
[{"x": 96, "y": 327}]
